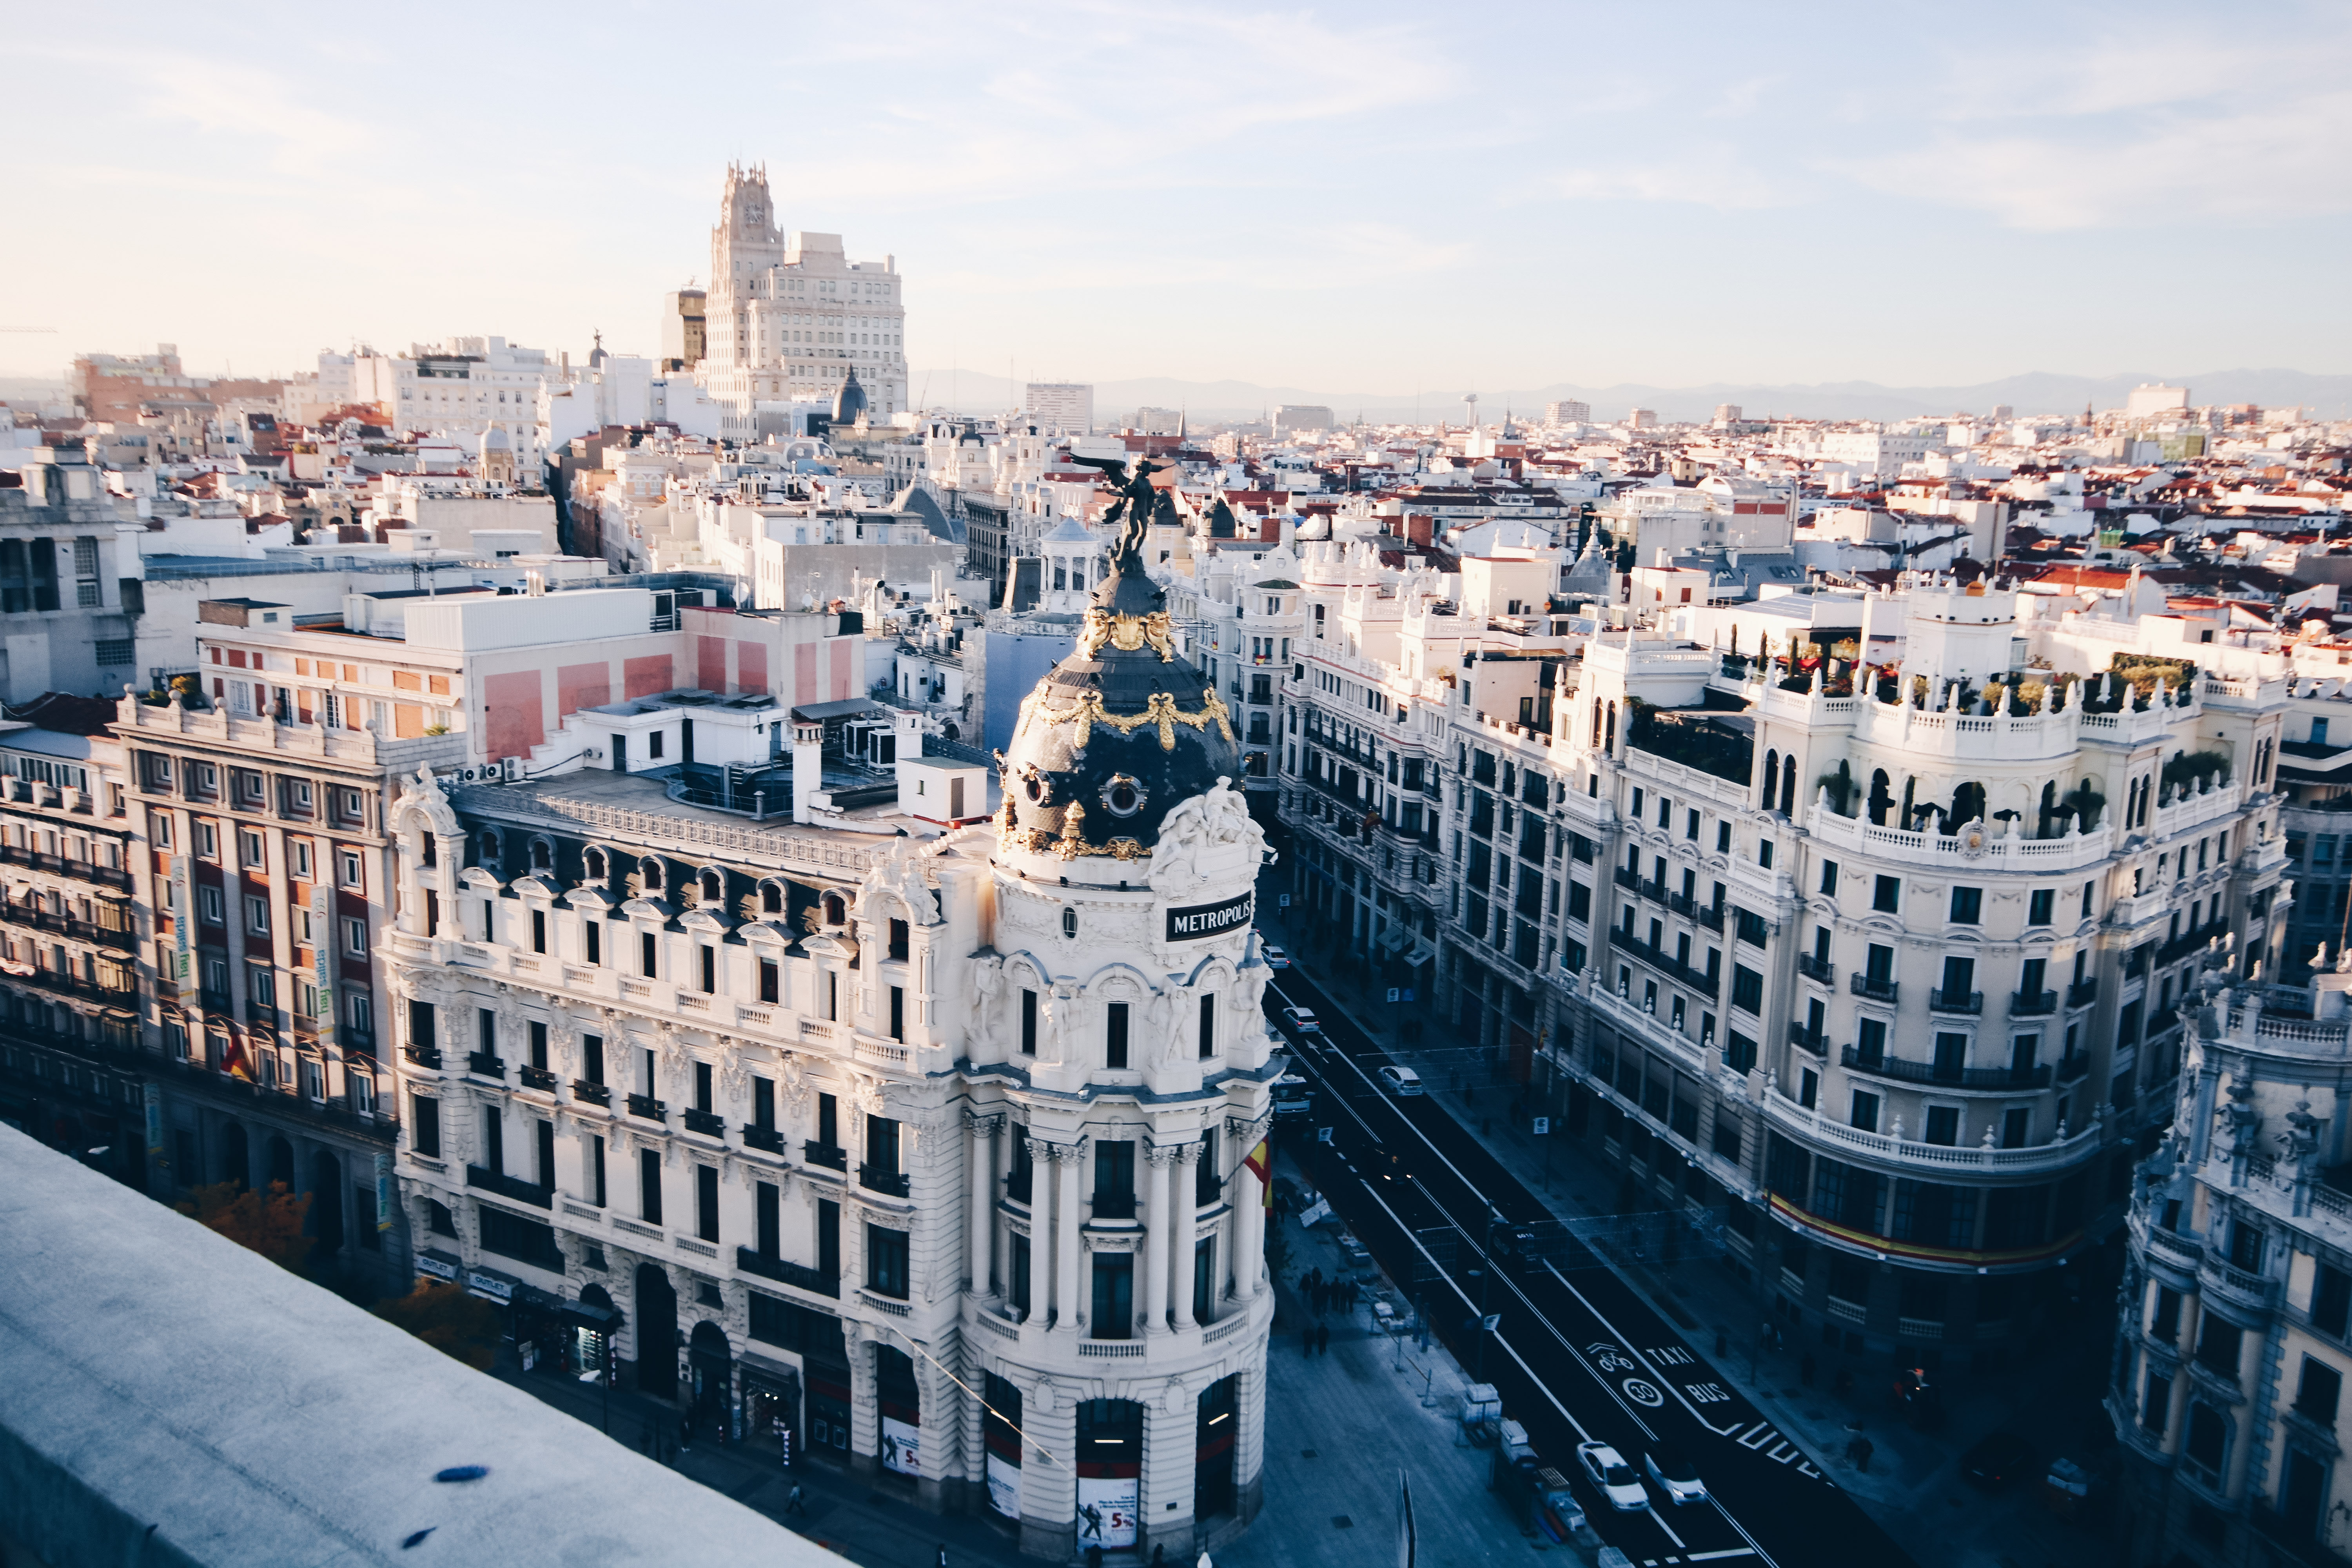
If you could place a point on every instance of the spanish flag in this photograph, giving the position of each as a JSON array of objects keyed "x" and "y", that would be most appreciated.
[{"x": 1261, "y": 1164}]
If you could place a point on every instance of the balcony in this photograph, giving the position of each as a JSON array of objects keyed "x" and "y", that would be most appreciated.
[
  {"x": 214, "y": 1002},
  {"x": 800, "y": 1276},
  {"x": 2074, "y": 1067},
  {"x": 74, "y": 985},
  {"x": 1676, "y": 969},
  {"x": 872, "y": 1178},
  {"x": 372, "y": 1125},
  {"x": 646, "y": 1106},
  {"x": 24, "y": 912},
  {"x": 764, "y": 1138},
  {"x": 1852, "y": 1059},
  {"x": 1967, "y": 1004},
  {"x": 1683, "y": 904},
  {"x": 1629, "y": 880},
  {"x": 1114, "y": 1205},
  {"x": 2031, "y": 1003},
  {"x": 485, "y": 1064},
  {"x": 2082, "y": 994},
  {"x": 1876, "y": 990},
  {"x": 2249, "y": 1292},
  {"x": 508, "y": 1187},
  {"x": 593, "y": 1093},
  {"x": 706, "y": 1122},
  {"x": 355, "y": 1041},
  {"x": 81, "y": 871},
  {"x": 536, "y": 1077},
  {"x": 1711, "y": 916},
  {"x": 832, "y": 1156},
  {"x": 423, "y": 1056},
  {"x": 1805, "y": 1039},
  {"x": 2181, "y": 946},
  {"x": 1819, "y": 969}
]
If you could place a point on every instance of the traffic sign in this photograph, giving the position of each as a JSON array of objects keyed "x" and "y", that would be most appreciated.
[
  {"x": 1543, "y": 1126},
  {"x": 1283, "y": 902},
  {"x": 1491, "y": 1321},
  {"x": 1394, "y": 993}
]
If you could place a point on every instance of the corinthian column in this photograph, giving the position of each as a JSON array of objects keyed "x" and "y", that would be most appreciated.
[
  {"x": 982, "y": 1131},
  {"x": 1069, "y": 1304},
  {"x": 1041, "y": 1234},
  {"x": 1158, "y": 1230},
  {"x": 1188, "y": 1156}
]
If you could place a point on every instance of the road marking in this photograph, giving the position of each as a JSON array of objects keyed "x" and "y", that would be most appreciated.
[
  {"x": 1713, "y": 1556},
  {"x": 1669, "y": 1528},
  {"x": 1581, "y": 1434}
]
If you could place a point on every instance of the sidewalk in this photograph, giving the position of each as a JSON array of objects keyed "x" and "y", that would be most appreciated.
[
  {"x": 1340, "y": 1425},
  {"x": 1913, "y": 1488}
]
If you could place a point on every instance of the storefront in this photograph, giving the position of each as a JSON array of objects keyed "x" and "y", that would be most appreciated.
[
  {"x": 1214, "y": 1430},
  {"x": 1110, "y": 1472},
  {"x": 437, "y": 1265},
  {"x": 899, "y": 1437},
  {"x": 772, "y": 1404},
  {"x": 828, "y": 1409}
]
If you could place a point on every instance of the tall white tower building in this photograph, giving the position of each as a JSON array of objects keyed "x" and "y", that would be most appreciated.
[{"x": 791, "y": 316}]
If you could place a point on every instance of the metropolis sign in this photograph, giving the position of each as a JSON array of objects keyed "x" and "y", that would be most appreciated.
[{"x": 1194, "y": 921}]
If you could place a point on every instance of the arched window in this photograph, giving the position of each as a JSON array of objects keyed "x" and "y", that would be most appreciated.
[
  {"x": 486, "y": 852},
  {"x": 836, "y": 910},
  {"x": 1789, "y": 784},
  {"x": 597, "y": 869},
  {"x": 542, "y": 858},
  {"x": 772, "y": 898},
  {"x": 1771, "y": 779},
  {"x": 1881, "y": 802},
  {"x": 650, "y": 871},
  {"x": 714, "y": 887},
  {"x": 1069, "y": 922}
]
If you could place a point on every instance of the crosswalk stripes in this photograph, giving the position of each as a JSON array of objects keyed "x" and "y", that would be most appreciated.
[{"x": 1781, "y": 1451}]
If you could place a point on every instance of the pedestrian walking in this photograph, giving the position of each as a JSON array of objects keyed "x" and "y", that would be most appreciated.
[{"x": 797, "y": 1502}]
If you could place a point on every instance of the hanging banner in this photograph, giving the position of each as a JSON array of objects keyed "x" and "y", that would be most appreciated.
[
  {"x": 182, "y": 901},
  {"x": 154, "y": 1094},
  {"x": 902, "y": 1447},
  {"x": 383, "y": 1191},
  {"x": 1106, "y": 1511},
  {"x": 1004, "y": 1485},
  {"x": 322, "y": 950}
]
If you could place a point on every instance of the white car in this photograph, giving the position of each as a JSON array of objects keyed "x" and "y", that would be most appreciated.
[
  {"x": 1676, "y": 1475},
  {"x": 1274, "y": 957},
  {"x": 1302, "y": 1019},
  {"x": 1400, "y": 1081},
  {"x": 1612, "y": 1476}
]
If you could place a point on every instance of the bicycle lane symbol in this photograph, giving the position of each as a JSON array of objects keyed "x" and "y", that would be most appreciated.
[{"x": 1613, "y": 1363}]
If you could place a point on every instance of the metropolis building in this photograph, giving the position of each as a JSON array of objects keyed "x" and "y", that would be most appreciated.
[{"x": 942, "y": 1155}]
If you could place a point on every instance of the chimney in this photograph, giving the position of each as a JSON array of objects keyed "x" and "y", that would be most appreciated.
[{"x": 808, "y": 777}]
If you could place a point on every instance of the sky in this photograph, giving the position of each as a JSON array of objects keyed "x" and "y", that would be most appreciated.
[{"x": 1370, "y": 197}]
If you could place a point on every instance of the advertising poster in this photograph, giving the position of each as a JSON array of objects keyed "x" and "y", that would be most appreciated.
[
  {"x": 322, "y": 952},
  {"x": 1106, "y": 1511},
  {"x": 1003, "y": 1486},
  {"x": 901, "y": 1447},
  {"x": 383, "y": 1191}
]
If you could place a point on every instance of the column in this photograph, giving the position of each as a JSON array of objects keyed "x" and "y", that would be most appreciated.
[
  {"x": 1249, "y": 1235},
  {"x": 865, "y": 1400},
  {"x": 1071, "y": 1304},
  {"x": 1041, "y": 1234},
  {"x": 1157, "y": 1264},
  {"x": 982, "y": 1132},
  {"x": 1188, "y": 1156}
]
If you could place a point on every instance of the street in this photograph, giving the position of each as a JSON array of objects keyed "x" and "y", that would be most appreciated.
[{"x": 1576, "y": 1355}]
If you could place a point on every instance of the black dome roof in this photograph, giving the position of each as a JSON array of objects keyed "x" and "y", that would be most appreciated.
[
  {"x": 849, "y": 403},
  {"x": 1116, "y": 734}
]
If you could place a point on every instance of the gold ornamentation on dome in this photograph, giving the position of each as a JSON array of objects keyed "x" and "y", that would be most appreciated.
[
  {"x": 1127, "y": 633},
  {"x": 1071, "y": 843},
  {"x": 1161, "y": 710}
]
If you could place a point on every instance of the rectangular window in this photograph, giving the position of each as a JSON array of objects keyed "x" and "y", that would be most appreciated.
[
  {"x": 539, "y": 930},
  {"x": 596, "y": 1169},
  {"x": 2331, "y": 1300},
  {"x": 1208, "y": 1026},
  {"x": 768, "y": 1218},
  {"x": 1204, "y": 1278},
  {"x": 1829, "y": 878},
  {"x": 2156, "y": 1410},
  {"x": 355, "y": 938},
  {"x": 706, "y": 1202},
  {"x": 2316, "y": 1392},
  {"x": 1028, "y": 1022},
  {"x": 1747, "y": 988},
  {"x": 427, "y": 1123},
  {"x": 702, "y": 1086},
  {"x": 1944, "y": 1125},
  {"x": 898, "y": 1013},
  {"x": 538, "y": 1036},
  {"x": 1114, "y": 1296},
  {"x": 2165, "y": 1324},
  {"x": 1866, "y": 1111},
  {"x": 769, "y": 988},
  {"x": 649, "y": 1193},
  {"x": 886, "y": 1262},
  {"x": 1208, "y": 1186},
  {"x": 592, "y": 1057},
  {"x": 596, "y": 935},
  {"x": 2041, "y": 908},
  {"x": 1115, "y": 1035},
  {"x": 709, "y": 969},
  {"x": 1740, "y": 1053},
  {"x": 1887, "y": 895},
  {"x": 1967, "y": 905},
  {"x": 256, "y": 915},
  {"x": 647, "y": 951}
]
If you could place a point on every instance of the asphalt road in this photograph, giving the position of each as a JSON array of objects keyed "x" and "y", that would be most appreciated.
[{"x": 1577, "y": 1355}]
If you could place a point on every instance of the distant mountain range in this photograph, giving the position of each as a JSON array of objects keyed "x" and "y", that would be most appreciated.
[{"x": 2039, "y": 392}]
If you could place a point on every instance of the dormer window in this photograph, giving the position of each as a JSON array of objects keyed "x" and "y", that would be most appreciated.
[
  {"x": 714, "y": 887},
  {"x": 597, "y": 870},
  {"x": 487, "y": 850},
  {"x": 542, "y": 858},
  {"x": 836, "y": 910},
  {"x": 650, "y": 873},
  {"x": 772, "y": 898}
]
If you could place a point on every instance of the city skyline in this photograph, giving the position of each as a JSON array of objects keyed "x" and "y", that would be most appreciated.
[{"x": 1377, "y": 202}]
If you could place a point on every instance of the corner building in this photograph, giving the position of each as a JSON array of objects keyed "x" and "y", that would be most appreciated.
[
  {"x": 943, "y": 1155},
  {"x": 1894, "y": 975}
]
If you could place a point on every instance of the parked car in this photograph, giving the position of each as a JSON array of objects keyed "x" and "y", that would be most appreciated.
[
  {"x": 1274, "y": 957},
  {"x": 1997, "y": 1459},
  {"x": 1401, "y": 1081},
  {"x": 1676, "y": 1475},
  {"x": 1614, "y": 1479},
  {"x": 1292, "y": 1097},
  {"x": 1301, "y": 1020}
]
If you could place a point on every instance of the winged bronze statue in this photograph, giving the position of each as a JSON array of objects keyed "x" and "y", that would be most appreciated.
[{"x": 1136, "y": 496}]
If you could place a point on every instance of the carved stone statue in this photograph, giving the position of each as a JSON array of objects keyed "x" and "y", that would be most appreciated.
[
  {"x": 2240, "y": 1120},
  {"x": 2300, "y": 1141}
]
